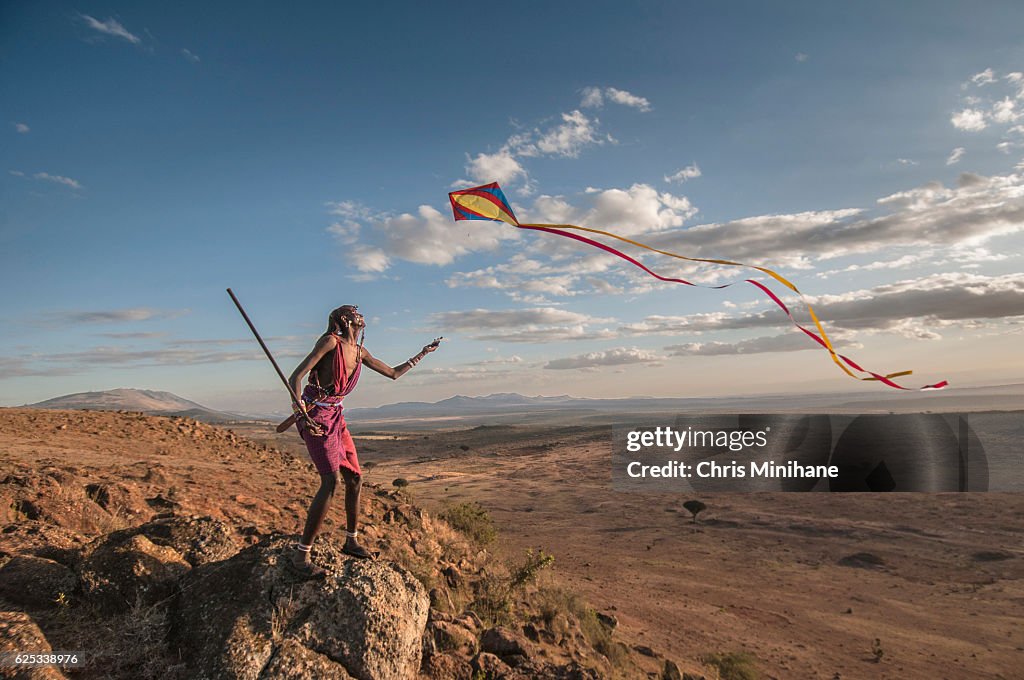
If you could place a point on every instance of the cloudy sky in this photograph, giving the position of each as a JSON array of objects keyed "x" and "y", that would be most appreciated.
[{"x": 151, "y": 156}]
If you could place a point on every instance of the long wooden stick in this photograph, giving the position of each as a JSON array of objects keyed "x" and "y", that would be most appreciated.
[{"x": 295, "y": 398}]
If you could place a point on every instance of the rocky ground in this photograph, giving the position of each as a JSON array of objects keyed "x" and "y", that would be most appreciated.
[{"x": 154, "y": 547}]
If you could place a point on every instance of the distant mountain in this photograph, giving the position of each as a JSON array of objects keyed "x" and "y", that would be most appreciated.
[{"x": 146, "y": 401}]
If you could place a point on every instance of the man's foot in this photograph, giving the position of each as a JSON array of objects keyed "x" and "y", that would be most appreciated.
[
  {"x": 300, "y": 565},
  {"x": 353, "y": 548}
]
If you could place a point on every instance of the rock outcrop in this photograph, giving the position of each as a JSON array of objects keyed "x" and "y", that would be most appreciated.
[
  {"x": 241, "y": 617},
  {"x": 125, "y": 569},
  {"x": 36, "y": 581}
]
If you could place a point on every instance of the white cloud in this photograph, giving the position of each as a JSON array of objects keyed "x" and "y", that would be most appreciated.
[
  {"x": 592, "y": 98},
  {"x": 971, "y": 120},
  {"x": 955, "y": 156},
  {"x": 431, "y": 238},
  {"x": 368, "y": 259},
  {"x": 350, "y": 213},
  {"x": 680, "y": 176},
  {"x": 997, "y": 104},
  {"x": 801, "y": 57},
  {"x": 111, "y": 27},
  {"x": 58, "y": 179},
  {"x": 103, "y": 316},
  {"x": 986, "y": 77},
  {"x": 636, "y": 210},
  {"x": 530, "y": 325},
  {"x": 490, "y": 319},
  {"x": 627, "y": 99},
  {"x": 787, "y": 342},
  {"x": 22, "y": 128},
  {"x": 906, "y": 161},
  {"x": 613, "y": 357},
  {"x": 501, "y": 167},
  {"x": 568, "y": 139},
  {"x": 1004, "y": 111},
  {"x": 191, "y": 56},
  {"x": 595, "y": 97}
]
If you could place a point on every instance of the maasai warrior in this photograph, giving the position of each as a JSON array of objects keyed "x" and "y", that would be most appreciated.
[{"x": 333, "y": 367}]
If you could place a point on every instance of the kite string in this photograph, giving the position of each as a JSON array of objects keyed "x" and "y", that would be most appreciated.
[{"x": 823, "y": 340}]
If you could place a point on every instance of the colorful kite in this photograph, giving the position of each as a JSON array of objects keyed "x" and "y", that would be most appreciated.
[{"x": 487, "y": 202}]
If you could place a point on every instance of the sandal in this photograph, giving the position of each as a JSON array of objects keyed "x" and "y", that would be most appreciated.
[
  {"x": 359, "y": 552},
  {"x": 307, "y": 571}
]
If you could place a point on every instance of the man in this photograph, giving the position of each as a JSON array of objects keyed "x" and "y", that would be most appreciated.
[{"x": 333, "y": 367}]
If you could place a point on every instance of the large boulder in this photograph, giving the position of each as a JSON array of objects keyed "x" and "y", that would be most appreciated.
[
  {"x": 448, "y": 667},
  {"x": 504, "y": 642},
  {"x": 120, "y": 499},
  {"x": 198, "y": 539},
  {"x": 125, "y": 568},
  {"x": 32, "y": 537},
  {"x": 35, "y": 581},
  {"x": 54, "y": 497},
  {"x": 235, "y": 617},
  {"x": 449, "y": 637}
]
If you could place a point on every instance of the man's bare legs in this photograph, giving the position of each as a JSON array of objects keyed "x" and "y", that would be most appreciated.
[
  {"x": 353, "y": 485},
  {"x": 315, "y": 519},
  {"x": 318, "y": 509}
]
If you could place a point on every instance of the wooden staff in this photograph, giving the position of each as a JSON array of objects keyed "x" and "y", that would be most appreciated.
[{"x": 313, "y": 427}]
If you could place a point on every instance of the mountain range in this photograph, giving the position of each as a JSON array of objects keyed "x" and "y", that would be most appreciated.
[{"x": 511, "y": 407}]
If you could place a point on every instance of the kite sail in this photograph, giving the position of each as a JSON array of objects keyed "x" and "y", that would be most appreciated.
[{"x": 488, "y": 202}]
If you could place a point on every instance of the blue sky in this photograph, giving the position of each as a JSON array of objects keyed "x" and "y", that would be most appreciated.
[{"x": 154, "y": 155}]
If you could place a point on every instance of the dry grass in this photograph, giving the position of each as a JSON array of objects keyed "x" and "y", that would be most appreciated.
[
  {"x": 132, "y": 644},
  {"x": 284, "y": 611}
]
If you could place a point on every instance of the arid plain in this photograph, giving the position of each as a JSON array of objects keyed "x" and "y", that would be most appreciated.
[{"x": 806, "y": 582}]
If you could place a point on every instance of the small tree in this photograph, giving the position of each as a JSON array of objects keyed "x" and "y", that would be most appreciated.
[
  {"x": 400, "y": 483},
  {"x": 695, "y": 508}
]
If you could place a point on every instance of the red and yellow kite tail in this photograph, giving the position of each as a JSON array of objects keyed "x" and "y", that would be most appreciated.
[
  {"x": 822, "y": 339},
  {"x": 488, "y": 202}
]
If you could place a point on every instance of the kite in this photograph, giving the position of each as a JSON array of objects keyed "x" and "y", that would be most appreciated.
[{"x": 488, "y": 202}]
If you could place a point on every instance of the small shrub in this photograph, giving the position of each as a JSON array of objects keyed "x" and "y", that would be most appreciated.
[
  {"x": 400, "y": 483},
  {"x": 733, "y": 665},
  {"x": 528, "y": 570},
  {"x": 472, "y": 520},
  {"x": 494, "y": 593}
]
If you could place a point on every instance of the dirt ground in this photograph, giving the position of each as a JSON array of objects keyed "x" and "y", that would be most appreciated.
[{"x": 804, "y": 582}]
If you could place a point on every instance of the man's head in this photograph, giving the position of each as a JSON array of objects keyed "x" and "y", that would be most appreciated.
[{"x": 346, "y": 320}]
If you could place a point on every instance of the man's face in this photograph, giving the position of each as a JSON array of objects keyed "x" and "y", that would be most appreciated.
[{"x": 353, "y": 316}]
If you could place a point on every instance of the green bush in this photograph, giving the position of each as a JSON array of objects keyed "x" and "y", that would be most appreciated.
[{"x": 472, "y": 520}]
